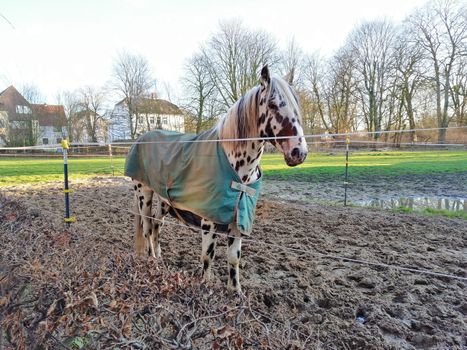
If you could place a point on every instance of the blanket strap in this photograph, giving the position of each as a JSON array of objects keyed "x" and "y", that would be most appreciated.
[{"x": 244, "y": 188}]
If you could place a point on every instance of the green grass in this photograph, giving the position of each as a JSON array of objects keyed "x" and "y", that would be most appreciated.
[
  {"x": 433, "y": 212},
  {"x": 329, "y": 167},
  {"x": 403, "y": 209},
  {"x": 443, "y": 212},
  {"x": 16, "y": 171},
  {"x": 318, "y": 167}
]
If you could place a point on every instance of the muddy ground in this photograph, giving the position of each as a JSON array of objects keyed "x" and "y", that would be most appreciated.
[
  {"x": 369, "y": 187},
  {"x": 83, "y": 287}
]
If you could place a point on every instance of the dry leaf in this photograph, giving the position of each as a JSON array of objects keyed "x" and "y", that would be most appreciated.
[
  {"x": 3, "y": 301},
  {"x": 126, "y": 330},
  {"x": 225, "y": 332},
  {"x": 93, "y": 299},
  {"x": 10, "y": 217},
  {"x": 51, "y": 308},
  {"x": 239, "y": 342}
]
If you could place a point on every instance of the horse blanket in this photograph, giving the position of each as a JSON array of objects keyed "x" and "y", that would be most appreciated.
[{"x": 194, "y": 176}]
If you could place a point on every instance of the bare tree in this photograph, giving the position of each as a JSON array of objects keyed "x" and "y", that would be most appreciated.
[
  {"x": 440, "y": 30},
  {"x": 75, "y": 120},
  {"x": 34, "y": 96},
  {"x": 331, "y": 86},
  {"x": 315, "y": 80},
  {"x": 458, "y": 91},
  {"x": 340, "y": 92},
  {"x": 291, "y": 62},
  {"x": 32, "y": 93},
  {"x": 200, "y": 92},
  {"x": 91, "y": 103},
  {"x": 372, "y": 44},
  {"x": 408, "y": 66},
  {"x": 235, "y": 55},
  {"x": 131, "y": 79}
]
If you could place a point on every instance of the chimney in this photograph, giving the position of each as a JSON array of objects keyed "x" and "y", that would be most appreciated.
[{"x": 153, "y": 95}]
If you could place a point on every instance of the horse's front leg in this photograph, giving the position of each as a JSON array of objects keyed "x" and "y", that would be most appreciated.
[
  {"x": 234, "y": 252},
  {"x": 208, "y": 249},
  {"x": 162, "y": 209}
]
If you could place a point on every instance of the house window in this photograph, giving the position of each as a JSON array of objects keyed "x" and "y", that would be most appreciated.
[
  {"x": 59, "y": 139},
  {"x": 16, "y": 124},
  {"x": 45, "y": 141},
  {"x": 23, "y": 109},
  {"x": 57, "y": 128},
  {"x": 158, "y": 120},
  {"x": 164, "y": 120},
  {"x": 151, "y": 120}
]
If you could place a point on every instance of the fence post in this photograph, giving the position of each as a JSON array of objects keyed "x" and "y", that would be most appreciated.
[
  {"x": 347, "y": 141},
  {"x": 68, "y": 219},
  {"x": 111, "y": 159}
]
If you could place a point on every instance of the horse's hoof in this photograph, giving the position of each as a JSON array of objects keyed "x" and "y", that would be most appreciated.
[
  {"x": 152, "y": 259},
  {"x": 237, "y": 289},
  {"x": 206, "y": 278}
]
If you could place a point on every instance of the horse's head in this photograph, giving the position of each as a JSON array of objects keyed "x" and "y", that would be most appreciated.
[{"x": 280, "y": 117}]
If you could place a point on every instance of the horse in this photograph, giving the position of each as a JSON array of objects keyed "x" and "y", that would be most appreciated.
[{"x": 269, "y": 112}]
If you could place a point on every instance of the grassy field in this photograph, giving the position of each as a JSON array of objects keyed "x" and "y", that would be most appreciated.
[
  {"x": 318, "y": 167},
  {"x": 324, "y": 167}
]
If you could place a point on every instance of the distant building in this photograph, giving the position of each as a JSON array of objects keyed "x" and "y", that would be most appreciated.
[
  {"x": 52, "y": 123},
  {"x": 153, "y": 113},
  {"x": 16, "y": 119},
  {"x": 26, "y": 124}
]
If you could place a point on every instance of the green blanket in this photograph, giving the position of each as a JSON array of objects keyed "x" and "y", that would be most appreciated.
[{"x": 194, "y": 176}]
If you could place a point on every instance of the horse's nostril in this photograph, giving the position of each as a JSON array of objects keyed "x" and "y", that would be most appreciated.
[{"x": 295, "y": 152}]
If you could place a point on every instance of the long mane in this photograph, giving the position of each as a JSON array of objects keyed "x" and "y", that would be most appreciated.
[{"x": 241, "y": 120}]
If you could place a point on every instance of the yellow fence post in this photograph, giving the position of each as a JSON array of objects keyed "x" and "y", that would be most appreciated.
[{"x": 66, "y": 190}]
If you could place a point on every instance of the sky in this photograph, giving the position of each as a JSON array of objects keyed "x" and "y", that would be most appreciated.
[{"x": 60, "y": 45}]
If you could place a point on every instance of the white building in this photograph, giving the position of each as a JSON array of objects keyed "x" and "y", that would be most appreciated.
[
  {"x": 52, "y": 123},
  {"x": 153, "y": 113}
]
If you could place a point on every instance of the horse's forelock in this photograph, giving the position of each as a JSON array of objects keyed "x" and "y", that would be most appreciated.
[{"x": 288, "y": 95}]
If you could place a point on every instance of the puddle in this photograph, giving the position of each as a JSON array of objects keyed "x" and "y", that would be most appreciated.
[{"x": 418, "y": 203}]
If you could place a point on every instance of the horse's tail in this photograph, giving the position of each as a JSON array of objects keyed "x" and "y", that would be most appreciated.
[{"x": 140, "y": 241}]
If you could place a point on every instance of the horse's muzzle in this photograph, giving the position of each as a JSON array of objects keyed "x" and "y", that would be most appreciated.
[{"x": 295, "y": 157}]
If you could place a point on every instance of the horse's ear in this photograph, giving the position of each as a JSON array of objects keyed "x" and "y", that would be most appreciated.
[
  {"x": 289, "y": 76},
  {"x": 265, "y": 78}
]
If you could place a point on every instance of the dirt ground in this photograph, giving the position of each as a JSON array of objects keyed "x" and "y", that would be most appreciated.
[{"x": 84, "y": 288}]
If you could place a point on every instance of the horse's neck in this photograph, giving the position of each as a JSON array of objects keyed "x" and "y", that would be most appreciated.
[{"x": 245, "y": 160}]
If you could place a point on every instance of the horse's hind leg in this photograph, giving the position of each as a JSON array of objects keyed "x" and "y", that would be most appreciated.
[
  {"x": 234, "y": 251},
  {"x": 143, "y": 196},
  {"x": 140, "y": 241},
  {"x": 208, "y": 249}
]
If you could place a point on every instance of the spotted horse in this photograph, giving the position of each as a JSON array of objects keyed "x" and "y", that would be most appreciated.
[{"x": 209, "y": 181}]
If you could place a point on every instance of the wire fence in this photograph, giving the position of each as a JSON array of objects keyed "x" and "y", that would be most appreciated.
[
  {"x": 113, "y": 152},
  {"x": 327, "y": 137}
]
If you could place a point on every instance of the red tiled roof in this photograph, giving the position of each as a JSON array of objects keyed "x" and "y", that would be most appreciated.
[
  {"x": 49, "y": 115},
  {"x": 9, "y": 99},
  {"x": 156, "y": 106}
]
